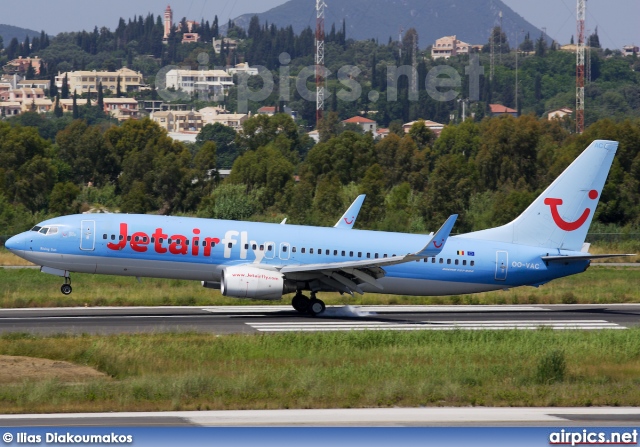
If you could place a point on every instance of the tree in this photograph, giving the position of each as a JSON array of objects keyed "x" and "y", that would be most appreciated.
[
  {"x": 118, "y": 88},
  {"x": 57, "y": 109},
  {"x": 594, "y": 40},
  {"x": 13, "y": 49},
  {"x": 541, "y": 46},
  {"x": 100, "y": 97},
  {"x": 1, "y": 44},
  {"x": 373, "y": 185},
  {"x": 63, "y": 199},
  {"x": 527, "y": 44},
  {"x": 53, "y": 88},
  {"x": 65, "y": 87},
  {"x": 224, "y": 139},
  {"x": 31, "y": 73},
  {"x": 76, "y": 112},
  {"x": 500, "y": 42}
]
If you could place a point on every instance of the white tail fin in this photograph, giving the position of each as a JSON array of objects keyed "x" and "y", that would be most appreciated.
[{"x": 561, "y": 215}]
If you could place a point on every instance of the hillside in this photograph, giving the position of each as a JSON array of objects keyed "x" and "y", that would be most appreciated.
[
  {"x": 8, "y": 32},
  {"x": 470, "y": 20}
]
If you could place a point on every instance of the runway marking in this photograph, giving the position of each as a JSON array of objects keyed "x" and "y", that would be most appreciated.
[
  {"x": 328, "y": 326},
  {"x": 386, "y": 309}
]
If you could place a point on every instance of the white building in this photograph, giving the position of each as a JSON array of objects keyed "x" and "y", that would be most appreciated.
[
  {"x": 243, "y": 68},
  {"x": 448, "y": 46},
  {"x": 212, "y": 115},
  {"x": 207, "y": 81},
  {"x": 630, "y": 50}
]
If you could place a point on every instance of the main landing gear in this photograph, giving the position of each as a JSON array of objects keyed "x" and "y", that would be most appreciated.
[
  {"x": 66, "y": 287},
  {"x": 304, "y": 305}
]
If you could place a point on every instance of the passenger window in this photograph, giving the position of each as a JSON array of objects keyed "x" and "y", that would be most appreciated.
[
  {"x": 137, "y": 238},
  {"x": 169, "y": 240},
  {"x": 441, "y": 260},
  {"x": 129, "y": 238},
  {"x": 384, "y": 256},
  {"x": 351, "y": 254},
  {"x": 359, "y": 254},
  {"x": 161, "y": 240},
  {"x": 120, "y": 237},
  {"x": 186, "y": 242},
  {"x": 426, "y": 259},
  {"x": 311, "y": 251},
  {"x": 284, "y": 248},
  {"x": 335, "y": 252},
  {"x": 433, "y": 260},
  {"x": 456, "y": 262},
  {"x": 293, "y": 249},
  {"x": 269, "y": 247},
  {"x": 204, "y": 243},
  {"x": 104, "y": 236},
  {"x": 194, "y": 242},
  {"x": 302, "y": 250},
  {"x": 254, "y": 246},
  {"x": 261, "y": 247},
  {"x": 328, "y": 252},
  {"x": 113, "y": 237},
  {"x": 246, "y": 246},
  {"x": 448, "y": 261},
  {"x": 144, "y": 239},
  {"x": 376, "y": 255},
  {"x": 464, "y": 262},
  {"x": 368, "y": 255},
  {"x": 343, "y": 253},
  {"x": 473, "y": 263}
]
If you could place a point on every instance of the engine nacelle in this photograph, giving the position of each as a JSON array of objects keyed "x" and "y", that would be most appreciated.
[{"x": 253, "y": 283}]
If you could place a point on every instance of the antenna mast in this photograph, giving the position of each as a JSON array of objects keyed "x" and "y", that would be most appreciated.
[
  {"x": 320, "y": 5},
  {"x": 582, "y": 9}
]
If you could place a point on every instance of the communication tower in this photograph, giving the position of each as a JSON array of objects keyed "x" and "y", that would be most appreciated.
[
  {"x": 320, "y": 5},
  {"x": 582, "y": 10}
]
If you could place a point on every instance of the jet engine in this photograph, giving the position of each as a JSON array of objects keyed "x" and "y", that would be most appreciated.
[{"x": 254, "y": 283}]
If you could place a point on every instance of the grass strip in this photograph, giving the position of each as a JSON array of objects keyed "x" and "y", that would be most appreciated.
[{"x": 327, "y": 370}]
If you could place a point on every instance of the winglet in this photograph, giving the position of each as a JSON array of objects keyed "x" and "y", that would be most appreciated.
[
  {"x": 436, "y": 243},
  {"x": 348, "y": 219}
]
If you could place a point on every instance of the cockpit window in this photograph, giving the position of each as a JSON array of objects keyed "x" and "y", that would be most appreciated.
[{"x": 45, "y": 230}]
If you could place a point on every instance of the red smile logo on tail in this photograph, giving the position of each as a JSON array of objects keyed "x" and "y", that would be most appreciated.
[
  {"x": 563, "y": 224},
  {"x": 435, "y": 244},
  {"x": 347, "y": 221}
]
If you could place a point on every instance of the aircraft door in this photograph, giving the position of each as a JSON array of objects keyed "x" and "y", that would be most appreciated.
[
  {"x": 87, "y": 235},
  {"x": 502, "y": 264},
  {"x": 285, "y": 251}
]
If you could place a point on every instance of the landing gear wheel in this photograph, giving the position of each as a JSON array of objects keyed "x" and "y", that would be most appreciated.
[
  {"x": 316, "y": 307},
  {"x": 66, "y": 289},
  {"x": 300, "y": 303}
]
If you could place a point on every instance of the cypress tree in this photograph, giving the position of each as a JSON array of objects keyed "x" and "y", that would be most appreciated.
[
  {"x": 53, "y": 88},
  {"x": 76, "y": 112},
  {"x": 57, "y": 110},
  {"x": 65, "y": 88},
  {"x": 118, "y": 88},
  {"x": 100, "y": 97}
]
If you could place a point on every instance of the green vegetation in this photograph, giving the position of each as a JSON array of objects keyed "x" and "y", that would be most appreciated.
[
  {"x": 327, "y": 370},
  {"x": 30, "y": 288}
]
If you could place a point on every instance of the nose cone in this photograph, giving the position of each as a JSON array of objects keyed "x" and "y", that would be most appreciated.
[{"x": 15, "y": 243}]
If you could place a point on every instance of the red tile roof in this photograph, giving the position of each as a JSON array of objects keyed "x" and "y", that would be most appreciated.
[
  {"x": 359, "y": 120},
  {"x": 499, "y": 108},
  {"x": 266, "y": 109}
]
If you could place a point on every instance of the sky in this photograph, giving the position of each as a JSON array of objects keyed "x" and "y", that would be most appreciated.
[{"x": 617, "y": 20}]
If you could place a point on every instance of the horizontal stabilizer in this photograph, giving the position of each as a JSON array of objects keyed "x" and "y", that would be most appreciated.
[{"x": 584, "y": 257}]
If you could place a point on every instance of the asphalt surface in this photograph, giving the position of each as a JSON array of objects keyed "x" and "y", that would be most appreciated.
[
  {"x": 265, "y": 319},
  {"x": 362, "y": 417}
]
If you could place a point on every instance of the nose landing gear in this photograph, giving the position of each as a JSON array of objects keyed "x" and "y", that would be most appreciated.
[{"x": 66, "y": 287}]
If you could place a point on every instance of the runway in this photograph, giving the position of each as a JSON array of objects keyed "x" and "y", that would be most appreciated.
[
  {"x": 357, "y": 417},
  {"x": 269, "y": 319}
]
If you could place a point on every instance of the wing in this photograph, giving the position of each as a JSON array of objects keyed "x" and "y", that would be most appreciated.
[
  {"x": 348, "y": 219},
  {"x": 347, "y": 276}
]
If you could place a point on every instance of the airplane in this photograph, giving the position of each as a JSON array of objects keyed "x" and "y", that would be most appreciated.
[{"x": 265, "y": 261}]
